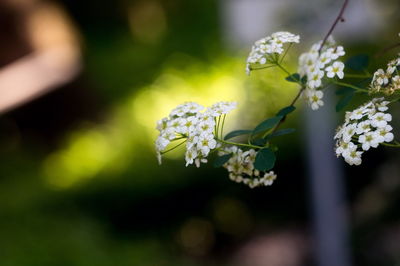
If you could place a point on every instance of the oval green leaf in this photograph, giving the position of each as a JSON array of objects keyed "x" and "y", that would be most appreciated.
[
  {"x": 236, "y": 133},
  {"x": 265, "y": 159},
  {"x": 221, "y": 160},
  {"x": 267, "y": 124},
  {"x": 293, "y": 78},
  {"x": 280, "y": 132},
  {"x": 357, "y": 62},
  {"x": 344, "y": 101},
  {"x": 286, "y": 110}
]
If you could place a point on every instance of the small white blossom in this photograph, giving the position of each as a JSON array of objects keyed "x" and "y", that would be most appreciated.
[
  {"x": 387, "y": 81},
  {"x": 186, "y": 122},
  {"x": 336, "y": 69},
  {"x": 318, "y": 63},
  {"x": 385, "y": 133},
  {"x": 380, "y": 120},
  {"x": 365, "y": 127},
  {"x": 314, "y": 98},
  {"x": 352, "y": 156},
  {"x": 264, "y": 50},
  {"x": 241, "y": 168},
  {"x": 370, "y": 139}
]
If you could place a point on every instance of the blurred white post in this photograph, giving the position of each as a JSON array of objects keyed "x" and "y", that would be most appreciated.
[
  {"x": 246, "y": 21},
  {"x": 330, "y": 221}
]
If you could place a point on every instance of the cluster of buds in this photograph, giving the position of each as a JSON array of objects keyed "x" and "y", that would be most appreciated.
[
  {"x": 241, "y": 168},
  {"x": 387, "y": 81},
  {"x": 266, "y": 50}
]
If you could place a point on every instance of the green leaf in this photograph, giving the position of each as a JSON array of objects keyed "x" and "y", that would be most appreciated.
[
  {"x": 236, "y": 133},
  {"x": 285, "y": 111},
  {"x": 280, "y": 132},
  {"x": 293, "y": 78},
  {"x": 265, "y": 159},
  {"x": 345, "y": 100},
  {"x": 259, "y": 142},
  {"x": 304, "y": 79},
  {"x": 357, "y": 62},
  {"x": 221, "y": 160},
  {"x": 344, "y": 90},
  {"x": 267, "y": 124}
]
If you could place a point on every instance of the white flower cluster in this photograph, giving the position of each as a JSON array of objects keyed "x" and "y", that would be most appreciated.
[
  {"x": 264, "y": 50},
  {"x": 187, "y": 122},
  {"x": 365, "y": 127},
  {"x": 316, "y": 64},
  {"x": 241, "y": 168},
  {"x": 387, "y": 81}
]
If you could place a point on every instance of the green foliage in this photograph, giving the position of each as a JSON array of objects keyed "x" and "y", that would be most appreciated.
[
  {"x": 259, "y": 142},
  {"x": 286, "y": 110},
  {"x": 280, "y": 132},
  {"x": 357, "y": 62},
  {"x": 348, "y": 94},
  {"x": 267, "y": 124},
  {"x": 293, "y": 78},
  {"x": 265, "y": 159},
  {"x": 221, "y": 160},
  {"x": 236, "y": 133}
]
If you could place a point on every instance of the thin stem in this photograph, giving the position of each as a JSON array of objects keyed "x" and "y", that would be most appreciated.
[
  {"x": 386, "y": 49},
  {"x": 239, "y": 144},
  {"x": 350, "y": 86},
  {"x": 282, "y": 68},
  {"x": 395, "y": 145},
  {"x": 222, "y": 127},
  {"x": 284, "y": 118},
  {"x": 217, "y": 126},
  {"x": 163, "y": 152},
  {"x": 338, "y": 18},
  {"x": 258, "y": 68},
  {"x": 285, "y": 53},
  {"x": 357, "y": 76}
]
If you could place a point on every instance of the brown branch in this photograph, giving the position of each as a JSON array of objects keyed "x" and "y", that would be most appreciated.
[
  {"x": 292, "y": 104},
  {"x": 338, "y": 18},
  {"x": 386, "y": 49}
]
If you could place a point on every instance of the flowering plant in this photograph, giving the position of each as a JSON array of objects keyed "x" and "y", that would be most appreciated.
[{"x": 250, "y": 163}]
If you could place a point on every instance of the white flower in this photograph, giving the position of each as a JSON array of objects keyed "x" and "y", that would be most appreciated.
[
  {"x": 385, "y": 133},
  {"x": 314, "y": 63},
  {"x": 221, "y": 108},
  {"x": 206, "y": 143},
  {"x": 271, "y": 45},
  {"x": 188, "y": 123},
  {"x": 363, "y": 127},
  {"x": 349, "y": 132},
  {"x": 387, "y": 81},
  {"x": 344, "y": 147},
  {"x": 380, "y": 77},
  {"x": 380, "y": 120},
  {"x": 338, "y": 52},
  {"x": 370, "y": 139},
  {"x": 315, "y": 98},
  {"x": 190, "y": 156},
  {"x": 315, "y": 79},
  {"x": 268, "y": 178},
  {"x": 241, "y": 168},
  {"x": 186, "y": 108},
  {"x": 352, "y": 156},
  {"x": 336, "y": 69},
  {"x": 368, "y": 128}
]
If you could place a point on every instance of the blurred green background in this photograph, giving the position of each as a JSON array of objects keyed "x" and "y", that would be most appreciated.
[{"x": 79, "y": 181}]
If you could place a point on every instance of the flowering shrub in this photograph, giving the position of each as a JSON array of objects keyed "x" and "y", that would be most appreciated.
[{"x": 250, "y": 163}]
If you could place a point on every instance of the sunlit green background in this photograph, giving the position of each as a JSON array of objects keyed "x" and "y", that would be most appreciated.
[{"x": 80, "y": 184}]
